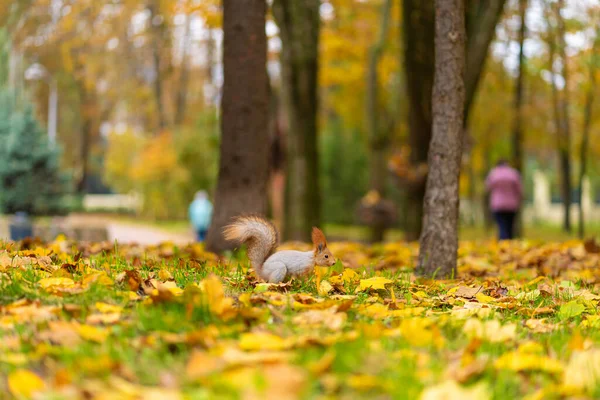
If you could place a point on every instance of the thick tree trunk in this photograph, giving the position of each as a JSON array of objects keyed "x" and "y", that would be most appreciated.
[
  {"x": 243, "y": 166},
  {"x": 585, "y": 134},
  {"x": 517, "y": 133},
  {"x": 419, "y": 58},
  {"x": 277, "y": 161},
  {"x": 184, "y": 73},
  {"x": 439, "y": 239},
  {"x": 565, "y": 144},
  {"x": 379, "y": 134},
  {"x": 299, "y": 24}
]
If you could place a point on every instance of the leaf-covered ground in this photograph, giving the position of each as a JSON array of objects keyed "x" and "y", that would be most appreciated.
[{"x": 100, "y": 321}]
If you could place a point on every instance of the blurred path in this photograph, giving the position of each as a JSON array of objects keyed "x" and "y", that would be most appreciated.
[{"x": 125, "y": 233}]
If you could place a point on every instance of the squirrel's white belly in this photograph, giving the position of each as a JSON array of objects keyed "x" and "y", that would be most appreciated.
[{"x": 295, "y": 262}]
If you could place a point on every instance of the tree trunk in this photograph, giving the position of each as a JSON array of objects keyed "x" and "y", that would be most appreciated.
[
  {"x": 439, "y": 239},
  {"x": 277, "y": 161},
  {"x": 418, "y": 26},
  {"x": 482, "y": 16},
  {"x": 243, "y": 165},
  {"x": 565, "y": 143},
  {"x": 587, "y": 122},
  {"x": 156, "y": 43},
  {"x": 84, "y": 154},
  {"x": 184, "y": 73},
  {"x": 487, "y": 166},
  {"x": 87, "y": 111},
  {"x": 299, "y": 24},
  {"x": 379, "y": 135},
  {"x": 517, "y": 134},
  {"x": 419, "y": 57}
]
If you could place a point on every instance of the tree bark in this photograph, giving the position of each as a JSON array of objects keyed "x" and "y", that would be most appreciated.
[
  {"x": 585, "y": 134},
  {"x": 418, "y": 28},
  {"x": 487, "y": 166},
  {"x": 88, "y": 109},
  {"x": 184, "y": 73},
  {"x": 299, "y": 24},
  {"x": 419, "y": 58},
  {"x": 243, "y": 165},
  {"x": 379, "y": 134},
  {"x": 156, "y": 32},
  {"x": 565, "y": 143},
  {"x": 517, "y": 134},
  {"x": 482, "y": 16},
  {"x": 439, "y": 239}
]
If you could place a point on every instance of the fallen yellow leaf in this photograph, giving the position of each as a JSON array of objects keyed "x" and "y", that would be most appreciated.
[
  {"x": 519, "y": 361},
  {"x": 490, "y": 330},
  {"x": 24, "y": 383},
  {"x": 108, "y": 308},
  {"x": 583, "y": 370},
  {"x": 92, "y": 333},
  {"x": 325, "y": 288},
  {"x": 375, "y": 283},
  {"x": 450, "y": 390},
  {"x": 201, "y": 364},
  {"x": 48, "y": 283},
  {"x": 262, "y": 341}
]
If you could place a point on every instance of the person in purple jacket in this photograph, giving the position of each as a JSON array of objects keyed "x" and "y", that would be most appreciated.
[{"x": 506, "y": 193}]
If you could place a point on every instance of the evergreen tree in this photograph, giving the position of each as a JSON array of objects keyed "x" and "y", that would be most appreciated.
[{"x": 30, "y": 178}]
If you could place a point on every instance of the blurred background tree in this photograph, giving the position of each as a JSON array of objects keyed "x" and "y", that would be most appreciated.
[{"x": 30, "y": 176}]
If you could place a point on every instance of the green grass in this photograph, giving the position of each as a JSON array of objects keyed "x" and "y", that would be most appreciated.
[{"x": 378, "y": 351}]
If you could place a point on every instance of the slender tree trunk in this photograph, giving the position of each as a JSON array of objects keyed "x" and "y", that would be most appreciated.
[
  {"x": 419, "y": 58},
  {"x": 487, "y": 166},
  {"x": 156, "y": 43},
  {"x": 87, "y": 110},
  {"x": 439, "y": 239},
  {"x": 587, "y": 122},
  {"x": 379, "y": 135},
  {"x": 482, "y": 16},
  {"x": 418, "y": 29},
  {"x": 243, "y": 166},
  {"x": 184, "y": 73},
  {"x": 299, "y": 24},
  {"x": 84, "y": 154},
  {"x": 472, "y": 194},
  {"x": 565, "y": 144},
  {"x": 517, "y": 133}
]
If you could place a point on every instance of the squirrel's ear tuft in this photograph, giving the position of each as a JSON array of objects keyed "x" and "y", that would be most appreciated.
[{"x": 318, "y": 238}]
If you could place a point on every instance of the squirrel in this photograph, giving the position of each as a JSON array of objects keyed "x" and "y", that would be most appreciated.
[{"x": 261, "y": 237}]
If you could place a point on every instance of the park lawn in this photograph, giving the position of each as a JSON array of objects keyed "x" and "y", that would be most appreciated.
[{"x": 104, "y": 321}]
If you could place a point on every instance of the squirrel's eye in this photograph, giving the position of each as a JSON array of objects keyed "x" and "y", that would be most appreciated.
[{"x": 326, "y": 256}]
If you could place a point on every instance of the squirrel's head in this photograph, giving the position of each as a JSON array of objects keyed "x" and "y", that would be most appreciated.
[{"x": 323, "y": 256}]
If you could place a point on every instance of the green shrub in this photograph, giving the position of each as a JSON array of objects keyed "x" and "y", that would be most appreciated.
[{"x": 30, "y": 176}]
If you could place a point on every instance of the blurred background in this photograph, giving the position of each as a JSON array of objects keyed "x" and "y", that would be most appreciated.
[{"x": 110, "y": 114}]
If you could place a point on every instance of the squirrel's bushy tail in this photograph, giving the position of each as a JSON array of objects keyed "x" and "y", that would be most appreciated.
[{"x": 258, "y": 234}]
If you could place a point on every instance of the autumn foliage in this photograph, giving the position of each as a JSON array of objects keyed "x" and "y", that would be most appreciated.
[{"x": 169, "y": 322}]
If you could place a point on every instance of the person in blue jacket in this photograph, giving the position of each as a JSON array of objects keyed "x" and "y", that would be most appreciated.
[{"x": 200, "y": 214}]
